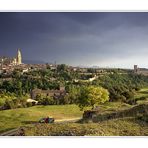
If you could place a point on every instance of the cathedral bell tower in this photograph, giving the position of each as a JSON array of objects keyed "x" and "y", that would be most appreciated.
[{"x": 19, "y": 57}]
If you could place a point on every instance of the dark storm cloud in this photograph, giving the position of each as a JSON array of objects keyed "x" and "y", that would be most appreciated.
[{"x": 86, "y": 38}]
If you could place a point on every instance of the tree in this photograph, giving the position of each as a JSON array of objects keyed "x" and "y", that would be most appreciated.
[
  {"x": 91, "y": 70},
  {"x": 73, "y": 93},
  {"x": 16, "y": 74},
  {"x": 61, "y": 67},
  {"x": 92, "y": 96},
  {"x": 47, "y": 101},
  {"x": 18, "y": 85},
  {"x": 9, "y": 104}
]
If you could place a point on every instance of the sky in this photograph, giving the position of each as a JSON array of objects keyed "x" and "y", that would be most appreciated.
[{"x": 104, "y": 39}]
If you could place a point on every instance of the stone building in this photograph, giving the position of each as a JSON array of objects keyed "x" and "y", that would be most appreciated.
[
  {"x": 135, "y": 68},
  {"x": 11, "y": 60},
  {"x": 142, "y": 71},
  {"x": 48, "y": 93}
]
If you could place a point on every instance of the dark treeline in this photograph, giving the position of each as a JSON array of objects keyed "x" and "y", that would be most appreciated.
[{"x": 122, "y": 86}]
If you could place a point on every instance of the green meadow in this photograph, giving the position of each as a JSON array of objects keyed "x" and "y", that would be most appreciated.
[{"x": 14, "y": 118}]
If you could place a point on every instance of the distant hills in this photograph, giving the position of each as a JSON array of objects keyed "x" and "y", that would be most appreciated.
[{"x": 33, "y": 62}]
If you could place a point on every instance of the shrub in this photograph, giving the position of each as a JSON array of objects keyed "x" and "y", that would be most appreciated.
[
  {"x": 33, "y": 103},
  {"x": 9, "y": 104},
  {"x": 29, "y": 104},
  {"x": 47, "y": 101}
]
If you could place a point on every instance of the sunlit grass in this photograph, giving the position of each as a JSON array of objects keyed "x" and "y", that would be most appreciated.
[
  {"x": 142, "y": 93},
  {"x": 115, "y": 127},
  {"x": 14, "y": 118}
]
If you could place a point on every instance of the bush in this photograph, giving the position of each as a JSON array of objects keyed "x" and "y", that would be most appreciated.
[
  {"x": 23, "y": 102},
  {"x": 33, "y": 103},
  {"x": 29, "y": 104},
  {"x": 9, "y": 105},
  {"x": 65, "y": 100},
  {"x": 128, "y": 95},
  {"x": 47, "y": 101}
]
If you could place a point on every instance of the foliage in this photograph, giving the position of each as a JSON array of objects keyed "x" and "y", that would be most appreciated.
[
  {"x": 73, "y": 93},
  {"x": 62, "y": 67},
  {"x": 91, "y": 70},
  {"x": 122, "y": 86},
  {"x": 47, "y": 101},
  {"x": 91, "y": 96}
]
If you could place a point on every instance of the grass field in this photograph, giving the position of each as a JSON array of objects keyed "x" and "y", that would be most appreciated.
[
  {"x": 142, "y": 93},
  {"x": 10, "y": 119},
  {"x": 14, "y": 118},
  {"x": 124, "y": 120},
  {"x": 115, "y": 127}
]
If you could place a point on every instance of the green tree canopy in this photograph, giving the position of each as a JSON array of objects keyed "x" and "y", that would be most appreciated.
[
  {"x": 92, "y": 96},
  {"x": 61, "y": 67}
]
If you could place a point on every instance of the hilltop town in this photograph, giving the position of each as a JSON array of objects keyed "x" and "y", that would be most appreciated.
[{"x": 52, "y": 80}]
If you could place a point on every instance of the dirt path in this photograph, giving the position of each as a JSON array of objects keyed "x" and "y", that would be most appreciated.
[{"x": 67, "y": 120}]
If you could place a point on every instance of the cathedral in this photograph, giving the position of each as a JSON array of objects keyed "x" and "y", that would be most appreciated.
[
  {"x": 12, "y": 61},
  {"x": 19, "y": 57}
]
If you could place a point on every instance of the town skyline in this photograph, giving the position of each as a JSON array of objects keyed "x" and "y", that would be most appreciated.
[
  {"x": 102, "y": 39},
  {"x": 53, "y": 62}
]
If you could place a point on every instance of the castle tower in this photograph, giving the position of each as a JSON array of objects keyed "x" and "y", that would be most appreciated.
[
  {"x": 2, "y": 64},
  {"x": 19, "y": 57},
  {"x": 135, "y": 68}
]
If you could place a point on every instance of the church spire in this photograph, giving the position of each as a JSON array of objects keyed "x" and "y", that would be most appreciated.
[{"x": 19, "y": 57}]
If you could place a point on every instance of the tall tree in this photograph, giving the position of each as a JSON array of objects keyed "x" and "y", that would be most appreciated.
[{"x": 92, "y": 96}]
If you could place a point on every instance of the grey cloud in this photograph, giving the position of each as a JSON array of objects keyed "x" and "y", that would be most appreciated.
[{"x": 107, "y": 39}]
